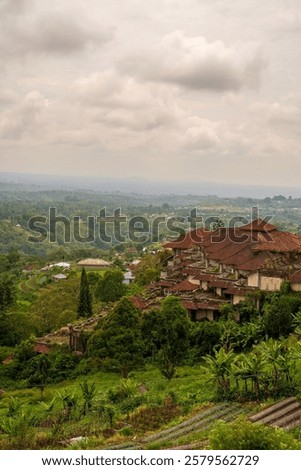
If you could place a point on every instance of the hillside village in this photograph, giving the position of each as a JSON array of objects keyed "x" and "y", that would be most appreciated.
[
  {"x": 209, "y": 318},
  {"x": 208, "y": 269}
]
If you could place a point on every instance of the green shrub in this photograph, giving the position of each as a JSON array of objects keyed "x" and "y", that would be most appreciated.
[{"x": 244, "y": 435}]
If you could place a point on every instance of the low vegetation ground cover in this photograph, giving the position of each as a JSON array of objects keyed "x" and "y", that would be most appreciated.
[
  {"x": 143, "y": 374},
  {"x": 143, "y": 403},
  {"x": 105, "y": 411}
]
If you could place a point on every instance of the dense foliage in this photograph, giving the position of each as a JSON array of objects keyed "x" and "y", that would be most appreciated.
[
  {"x": 243, "y": 435},
  {"x": 118, "y": 341},
  {"x": 256, "y": 358},
  {"x": 110, "y": 287}
]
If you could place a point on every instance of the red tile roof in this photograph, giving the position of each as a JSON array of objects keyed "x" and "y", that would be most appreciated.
[
  {"x": 195, "y": 237},
  {"x": 191, "y": 271},
  {"x": 205, "y": 277},
  {"x": 230, "y": 250},
  {"x": 222, "y": 283},
  {"x": 281, "y": 242},
  {"x": 263, "y": 260},
  {"x": 239, "y": 247},
  {"x": 164, "y": 283},
  {"x": 258, "y": 225},
  {"x": 42, "y": 348},
  {"x": 138, "y": 302},
  {"x": 191, "y": 305},
  {"x": 243, "y": 256},
  {"x": 184, "y": 286},
  {"x": 235, "y": 290}
]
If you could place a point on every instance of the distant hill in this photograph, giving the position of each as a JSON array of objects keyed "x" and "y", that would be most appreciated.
[{"x": 142, "y": 185}]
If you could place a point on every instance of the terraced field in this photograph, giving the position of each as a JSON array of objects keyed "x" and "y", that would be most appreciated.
[
  {"x": 29, "y": 285},
  {"x": 197, "y": 424},
  {"x": 285, "y": 414}
]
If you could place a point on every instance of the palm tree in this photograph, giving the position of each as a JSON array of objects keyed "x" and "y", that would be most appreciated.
[
  {"x": 251, "y": 366},
  {"x": 274, "y": 355},
  {"x": 88, "y": 393},
  {"x": 219, "y": 369}
]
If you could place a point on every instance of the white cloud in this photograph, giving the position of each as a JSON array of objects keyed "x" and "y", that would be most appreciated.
[
  {"x": 284, "y": 116},
  {"x": 7, "y": 95},
  {"x": 288, "y": 20},
  {"x": 200, "y": 135},
  {"x": 195, "y": 63},
  {"x": 24, "y": 119},
  {"x": 121, "y": 102}
]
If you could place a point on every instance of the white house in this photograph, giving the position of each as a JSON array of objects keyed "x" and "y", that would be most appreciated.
[{"x": 128, "y": 278}]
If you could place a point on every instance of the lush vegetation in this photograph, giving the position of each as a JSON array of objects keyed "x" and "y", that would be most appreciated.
[
  {"x": 19, "y": 203},
  {"x": 155, "y": 376}
]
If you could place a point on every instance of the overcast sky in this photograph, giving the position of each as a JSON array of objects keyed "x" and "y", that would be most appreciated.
[{"x": 200, "y": 90}]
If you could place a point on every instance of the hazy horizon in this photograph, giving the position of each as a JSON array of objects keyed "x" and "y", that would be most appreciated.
[
  {"x": 144, "y": 185},
  {"x": 174, "y": 92}
]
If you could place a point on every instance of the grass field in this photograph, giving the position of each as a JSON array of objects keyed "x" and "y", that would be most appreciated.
[{"x": 144, "y": 411}]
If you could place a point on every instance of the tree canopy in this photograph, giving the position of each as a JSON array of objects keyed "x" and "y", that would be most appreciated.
[
  {"x": 118, "y": 342},
  {"x": 110, "y": 288}
]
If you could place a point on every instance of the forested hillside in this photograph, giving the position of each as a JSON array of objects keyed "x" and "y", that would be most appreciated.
[{"x": 143, "y": 374}]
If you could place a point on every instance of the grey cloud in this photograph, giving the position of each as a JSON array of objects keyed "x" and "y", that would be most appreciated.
[
  {"x": 62, "y": 35},
  {"x": 52, "y": 32},
  {"x": 14, "y": 7},
  {"x": 194, "y": 63}
]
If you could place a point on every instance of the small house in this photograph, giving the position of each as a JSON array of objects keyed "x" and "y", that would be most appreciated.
[
  {"x": 91, "y": 264},
  {"x": 128, "y": 278},
  {"x": 59, "y": 277}
]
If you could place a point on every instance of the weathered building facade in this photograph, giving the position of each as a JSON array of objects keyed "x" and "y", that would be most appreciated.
[{"x": 209, "y": 268}]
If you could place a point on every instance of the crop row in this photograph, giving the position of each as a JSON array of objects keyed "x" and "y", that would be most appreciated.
[
  {"x": 195, "y": 419},
  {"x": 199, "y": 425},
  {"x": 199, "y": 417}
]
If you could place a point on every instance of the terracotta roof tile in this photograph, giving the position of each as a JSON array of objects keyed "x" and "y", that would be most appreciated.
[
  {"x": 191, "y": 305},
  {"x": 240, "y": 247},
  {"x": 184, "y": 286},
  {"x": 222, "y": 283},
  {"x": 243, "y": 256},
  {"x": 42, "y": 348},
  {"x": 281, "y": 242},
  {"x": 205, "y": 277},
  {"x": 195, "y": 237},
  {"x": 164, "y": 283},
  {"x": 139, "y": 303},
  {"x": 260, "y": 261},
  {"x": 258, "y": 225}
]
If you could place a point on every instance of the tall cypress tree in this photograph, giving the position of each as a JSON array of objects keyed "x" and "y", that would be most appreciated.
[{"x": 84, "y": 308}]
